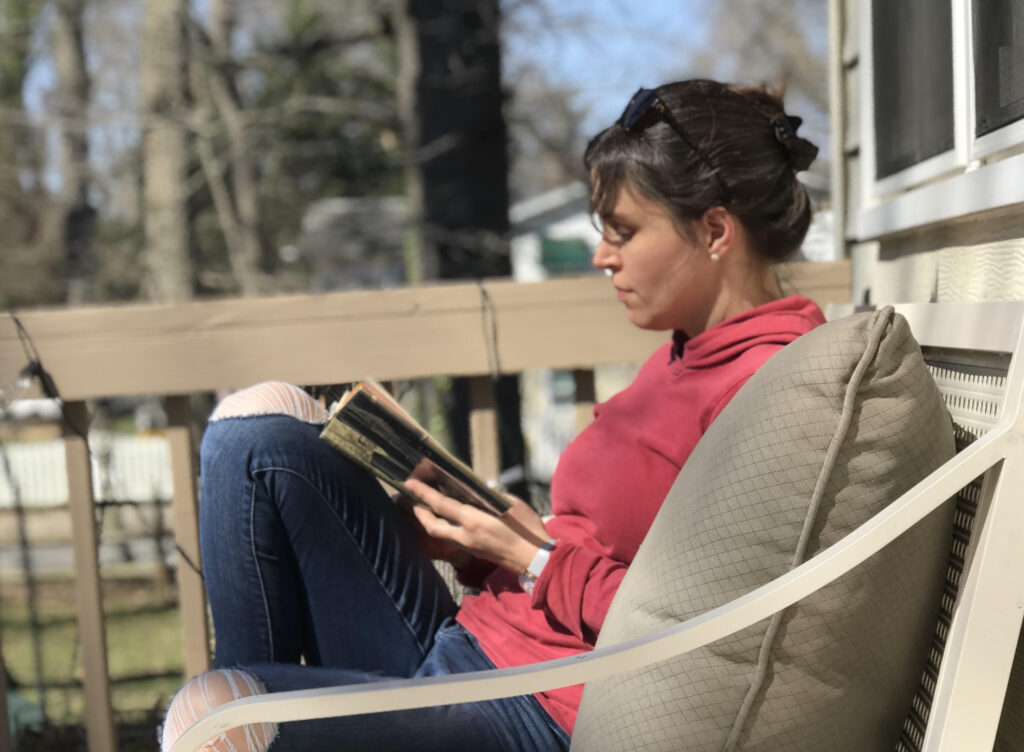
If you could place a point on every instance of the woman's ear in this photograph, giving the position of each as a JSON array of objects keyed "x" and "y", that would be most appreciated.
[{"x": 718, "y": 230}]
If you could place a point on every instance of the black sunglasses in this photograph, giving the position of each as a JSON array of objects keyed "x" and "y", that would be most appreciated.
[{"x": 646, "y": 108}]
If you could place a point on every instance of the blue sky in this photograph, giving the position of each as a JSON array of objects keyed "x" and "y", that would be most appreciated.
[{"x": 606, "y": 49}]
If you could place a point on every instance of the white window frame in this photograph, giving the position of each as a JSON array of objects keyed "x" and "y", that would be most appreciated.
[{"x": 977, "y": 174}]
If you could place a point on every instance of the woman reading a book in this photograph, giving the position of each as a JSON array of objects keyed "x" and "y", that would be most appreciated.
[{"x": 317, "y": 578}]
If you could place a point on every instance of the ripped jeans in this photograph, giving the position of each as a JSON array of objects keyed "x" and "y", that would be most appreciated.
[{"x": 306, "y": 558}]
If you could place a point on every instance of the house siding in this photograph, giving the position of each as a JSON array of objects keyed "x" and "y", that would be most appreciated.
[{"x": 980, "y": 257}]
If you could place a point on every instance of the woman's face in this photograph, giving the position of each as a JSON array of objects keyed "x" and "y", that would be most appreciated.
[{"x": 665, "y": 280}]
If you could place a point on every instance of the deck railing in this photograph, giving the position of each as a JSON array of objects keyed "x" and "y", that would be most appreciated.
[{"x": 175, "y": 351}]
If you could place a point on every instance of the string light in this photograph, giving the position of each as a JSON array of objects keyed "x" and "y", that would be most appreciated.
[{"x": 17, "y": 388}]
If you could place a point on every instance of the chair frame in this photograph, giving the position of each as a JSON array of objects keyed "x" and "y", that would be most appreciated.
[{"x": 982, "y": 637}]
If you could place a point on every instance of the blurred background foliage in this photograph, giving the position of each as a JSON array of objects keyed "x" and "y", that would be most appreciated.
[{"x": 168, "y": 149}]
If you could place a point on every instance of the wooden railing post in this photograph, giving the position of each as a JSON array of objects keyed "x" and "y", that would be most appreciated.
[
  {"x": 585, "y": 397},
  {"x": 185, "y": 521},
  {"x": 483, "y": 428},
  {"x": 99, "y": 719}
]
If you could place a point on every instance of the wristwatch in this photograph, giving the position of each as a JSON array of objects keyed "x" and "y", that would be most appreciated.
[{"x": 529, "y": 578}]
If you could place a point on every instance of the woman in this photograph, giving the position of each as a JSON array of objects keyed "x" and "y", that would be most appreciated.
[{"x": 306, "y": 558}]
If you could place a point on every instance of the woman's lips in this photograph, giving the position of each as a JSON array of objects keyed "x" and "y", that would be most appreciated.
[{"x": 621, "y": 293}]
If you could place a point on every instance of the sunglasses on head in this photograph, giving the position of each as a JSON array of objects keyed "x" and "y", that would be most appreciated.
[{"x": 646, "y": 108}]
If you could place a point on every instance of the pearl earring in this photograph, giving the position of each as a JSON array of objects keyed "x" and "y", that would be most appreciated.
[{"x": 714, "y": 256}]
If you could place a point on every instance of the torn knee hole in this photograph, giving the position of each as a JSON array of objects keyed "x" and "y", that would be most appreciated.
[
  {"x": 271, "y": 398},
  {"x": 208, "y": 691}
]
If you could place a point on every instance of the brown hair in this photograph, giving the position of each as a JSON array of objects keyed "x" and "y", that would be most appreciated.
[{"x": 741, "y": 152}]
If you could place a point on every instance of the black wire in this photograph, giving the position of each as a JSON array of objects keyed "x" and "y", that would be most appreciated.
[
  {"x": 104, "y": 503},
  {"x": 35, "y": 369},
  {"x": 489, "y": 314},
  {"x": 192, "y": 565},
  {"x": 490, "y": 337},
  {"x": 26, "y": 341}
]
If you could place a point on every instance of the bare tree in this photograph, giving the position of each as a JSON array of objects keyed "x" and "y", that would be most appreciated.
[
  {"x": 546, "y": 138},
  {"x": 768, "y": 41},
  {"x": 165, "y": 150},
  {"x": 541, "y": 43},
  {"x": 234, "y": 183},
  {"x": 31, "y": 255},
  {"x": 72, "y": 100}
]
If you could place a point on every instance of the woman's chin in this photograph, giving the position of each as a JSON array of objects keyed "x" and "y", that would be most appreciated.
[{"x": 643, "y": 320}]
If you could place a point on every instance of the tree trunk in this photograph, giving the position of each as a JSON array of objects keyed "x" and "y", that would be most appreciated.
[
  {"x": 451, "y": 98},
  {"x": 419, "y": 265},
  {"x": 73, "y": 87},
  {"x": 32, "y": 254},
  {"x": 165, "y": 151},
  {"x": 462, "y": 136},
  {"x": 237, "y": 199}
]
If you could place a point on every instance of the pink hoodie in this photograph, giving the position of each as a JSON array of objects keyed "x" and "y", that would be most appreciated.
[{"x": 610, "y": 483}]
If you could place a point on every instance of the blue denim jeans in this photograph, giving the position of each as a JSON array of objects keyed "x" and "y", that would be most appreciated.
[{"x": 306, "y": 558}]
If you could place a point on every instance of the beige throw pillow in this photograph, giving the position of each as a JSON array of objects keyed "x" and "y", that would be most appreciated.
[{"x": 832, "y": 429}]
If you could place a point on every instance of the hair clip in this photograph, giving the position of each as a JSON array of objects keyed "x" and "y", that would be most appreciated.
[{"x": 785, "y": 127}]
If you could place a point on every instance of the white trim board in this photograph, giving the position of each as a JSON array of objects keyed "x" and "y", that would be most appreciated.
[
  {"x": 993, "y": 186},
  {"x": 991, "y": 326}
]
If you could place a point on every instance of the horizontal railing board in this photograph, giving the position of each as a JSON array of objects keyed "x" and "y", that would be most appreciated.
[{"x": 387, "y": 334}]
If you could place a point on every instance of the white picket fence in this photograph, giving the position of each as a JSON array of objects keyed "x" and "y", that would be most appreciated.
[{"x": 125, "y": 467}]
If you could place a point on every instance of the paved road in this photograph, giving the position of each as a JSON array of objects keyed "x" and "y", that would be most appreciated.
[{"x": 48, "y": 559}]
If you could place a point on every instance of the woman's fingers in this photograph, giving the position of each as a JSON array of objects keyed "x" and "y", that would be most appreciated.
[
  {"x": 431, "y": 531},
  {"x": 509, "y": 541},
  {"x": 526, "y": 522},
  {"x": 432, "y": 524},
  {"x": 441, "y": 505}
]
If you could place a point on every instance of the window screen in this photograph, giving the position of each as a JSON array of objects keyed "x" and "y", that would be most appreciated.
[
  {"x": 998, "y": 63},
  {"x": 912, "y": 47}
]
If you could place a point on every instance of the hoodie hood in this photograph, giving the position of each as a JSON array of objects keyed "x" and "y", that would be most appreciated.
[{"x": 776, "y": 323}]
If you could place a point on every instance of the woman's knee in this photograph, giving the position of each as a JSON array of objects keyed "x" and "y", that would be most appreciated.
[
  {"x": 271, "y": 398},
  {"x": 206, "y": 692}
]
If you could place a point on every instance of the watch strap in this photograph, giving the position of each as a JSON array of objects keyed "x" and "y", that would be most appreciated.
[{"x": 533, "y": 570}]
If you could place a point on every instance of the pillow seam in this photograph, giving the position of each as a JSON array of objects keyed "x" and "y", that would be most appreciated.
[{"x": 881, "y": 322}]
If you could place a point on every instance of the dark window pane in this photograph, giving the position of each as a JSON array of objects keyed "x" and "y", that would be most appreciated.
[
  {"x": 998, "y": 63},
  {"x": 913, "y": 78}
]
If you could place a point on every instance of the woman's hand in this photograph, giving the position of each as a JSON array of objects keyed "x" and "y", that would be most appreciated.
[
  {"x": 510, "y": 541},
  {"x": 435, "y": 548}
]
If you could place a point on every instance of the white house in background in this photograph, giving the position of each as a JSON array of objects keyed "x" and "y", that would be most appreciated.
[{"x": 553, "y": 233}]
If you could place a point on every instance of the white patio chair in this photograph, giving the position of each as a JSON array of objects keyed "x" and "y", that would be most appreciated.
[{"x": 969, "y": 689}]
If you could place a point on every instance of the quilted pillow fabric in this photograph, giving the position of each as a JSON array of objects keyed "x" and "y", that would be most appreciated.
[{"x": 830, "y": 430}]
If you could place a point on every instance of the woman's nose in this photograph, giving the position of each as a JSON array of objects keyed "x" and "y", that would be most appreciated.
[{"x": 605, "y": 256}]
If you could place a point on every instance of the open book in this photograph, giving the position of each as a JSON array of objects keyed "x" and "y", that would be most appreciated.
[{"x": 371, "y": 428}]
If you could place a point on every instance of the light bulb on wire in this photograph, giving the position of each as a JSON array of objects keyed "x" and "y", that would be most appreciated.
[{"x": 18, "y": 387}]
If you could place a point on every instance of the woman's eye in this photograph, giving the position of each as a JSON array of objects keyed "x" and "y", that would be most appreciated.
[{"x": 616, "y": 236}]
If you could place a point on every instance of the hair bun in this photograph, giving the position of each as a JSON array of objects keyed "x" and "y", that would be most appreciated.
[{"x": 799, "y": 151}]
